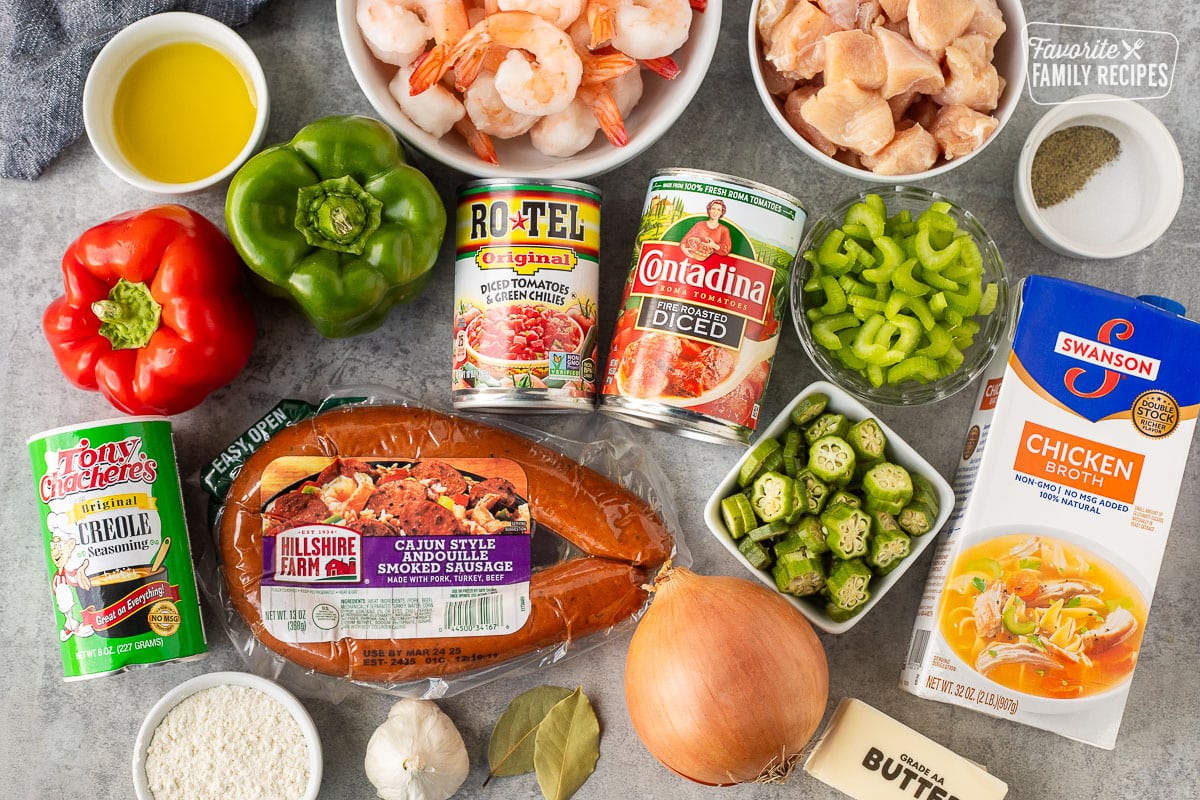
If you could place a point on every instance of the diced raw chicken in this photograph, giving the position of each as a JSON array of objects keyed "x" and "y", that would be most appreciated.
[
  {"x": 924, "y": 111},
  {"x": 791, "y": 111},
  {"x": 870, "y": 13},
  {"x": 849, "y": 158},
  {"x": 911, "y": 150},
  {"x": 854, "y": 56},
  {"x": 899, "y": 104},
  {"x": 1118, "y": 627},
  {"x": 908, "y": 68},
  {"x": 843, "y": 12},
  {"x": 934, "y": 24},
  {"x": 999, "y": 653},
  {"x": 851, "y": 117},
  {"x": 895, "y": 9},
  {"x": 776, "y": 82},
  {"x": 796, "y": 47},
  {"x": 770, "y": 12},
  {"x": 988, "y": 22},
  {"x": 960, "y": 130},
  {"x": 973, "y": 81}
]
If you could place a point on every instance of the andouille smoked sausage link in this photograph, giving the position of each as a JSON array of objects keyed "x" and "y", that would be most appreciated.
[{"x": 620, "y": 532}]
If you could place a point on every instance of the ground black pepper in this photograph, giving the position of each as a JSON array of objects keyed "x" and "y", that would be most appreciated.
[{"x": 1067, "y": 159}]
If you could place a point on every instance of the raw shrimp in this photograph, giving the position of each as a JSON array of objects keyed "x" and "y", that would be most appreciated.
[
  {"x": 559, "y": 13},
  {"x": 546, "y": 85},
  {"x": 488, "y": 111},
  {"x": 393, "y": 30},
  {"x": 643, "y": 29}
]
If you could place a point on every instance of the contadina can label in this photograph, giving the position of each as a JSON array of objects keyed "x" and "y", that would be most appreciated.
[
  {"x": 118, "y": 563},
  {"x": 693, "y": 344},
  {"x": 526, "y": 280}
]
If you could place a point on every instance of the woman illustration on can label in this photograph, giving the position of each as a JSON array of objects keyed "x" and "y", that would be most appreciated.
[{"x": 708, "y": 236}]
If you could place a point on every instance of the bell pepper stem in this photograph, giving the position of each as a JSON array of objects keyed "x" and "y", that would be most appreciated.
[
  {"x": 129, "y": 316},
  {"x": 337, "y": 214}
]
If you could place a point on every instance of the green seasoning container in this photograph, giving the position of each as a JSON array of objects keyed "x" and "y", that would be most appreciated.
[{"x": 117, "y": 556}]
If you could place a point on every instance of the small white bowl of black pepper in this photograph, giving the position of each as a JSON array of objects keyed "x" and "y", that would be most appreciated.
[{"x": 1098, "y": 177}]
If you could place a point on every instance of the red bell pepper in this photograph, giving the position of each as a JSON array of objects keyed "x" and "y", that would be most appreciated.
[{"x": 154, "y": 315}]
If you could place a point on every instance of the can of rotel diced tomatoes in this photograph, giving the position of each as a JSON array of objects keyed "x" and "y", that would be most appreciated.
[
  {"x": 526, "y": 281},
  {"x": 693, "y": 345},
  {"x": 118, "y": 561}
]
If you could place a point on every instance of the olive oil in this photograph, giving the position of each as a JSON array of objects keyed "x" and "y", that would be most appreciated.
[{"x": 183, "y": 112}]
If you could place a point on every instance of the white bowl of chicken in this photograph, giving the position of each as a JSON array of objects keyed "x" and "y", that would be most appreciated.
[
  {"x": 889, "y": 90},
  {"x": 1043, "y": 613},
  {"x": 542, "y": 88}
]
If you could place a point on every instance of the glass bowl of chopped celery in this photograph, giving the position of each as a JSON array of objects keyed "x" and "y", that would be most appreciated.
[{"x": 899, "y": 296}]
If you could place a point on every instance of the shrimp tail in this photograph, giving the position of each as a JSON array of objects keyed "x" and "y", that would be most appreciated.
[
  {"x": 699, "y": 5},
  {"x": 601, "y": 67},
  {"x": 602, "y": 21},
  {"x": 664, "y": 66},
  {"x": 604, "y": 108},
  {"x": 468, "y": 57},
  {"x": 428, "y": 69},
  {"x": 480, "y": 142}
]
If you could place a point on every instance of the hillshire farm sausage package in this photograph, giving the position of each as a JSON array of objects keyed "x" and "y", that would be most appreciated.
[
  {"x": 1037, "y": 598},
  {"x": 424, "y": 553}
]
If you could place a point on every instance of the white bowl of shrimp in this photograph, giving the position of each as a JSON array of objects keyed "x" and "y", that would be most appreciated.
[
  {"x": 893, "y": 91},
  {"x": 529, "y": 88}
]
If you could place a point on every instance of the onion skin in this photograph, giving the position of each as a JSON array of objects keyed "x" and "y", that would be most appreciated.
[{"x": 725, "y": 681}]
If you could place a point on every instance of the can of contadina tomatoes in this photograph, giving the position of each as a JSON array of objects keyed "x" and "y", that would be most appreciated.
[
  {"x": 526, "y": 281},
  {"x": 699, "y": 320},
  {"x": 117, "y": 556}
]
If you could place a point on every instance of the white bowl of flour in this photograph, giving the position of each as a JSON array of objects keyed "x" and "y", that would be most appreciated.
[{"x": 227, "y": 736}]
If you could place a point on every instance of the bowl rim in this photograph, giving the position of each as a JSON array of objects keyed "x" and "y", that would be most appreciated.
[
  {"x": 157, "y": 30},
  {"x": 598, "y": 158},
  {"x": 1144, "y": 124},
  {"x": 902, "y": 453},
  {"x": 209, "y": 680},
  {"x": 991, "y": 335},
  {"x": 1010, "y": 98}
]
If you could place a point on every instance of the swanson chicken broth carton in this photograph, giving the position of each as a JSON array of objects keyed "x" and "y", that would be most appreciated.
[{"x": 1038, "y": 594}]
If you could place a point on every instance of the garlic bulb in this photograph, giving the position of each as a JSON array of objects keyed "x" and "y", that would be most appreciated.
[{"x": 416, "y": 754}]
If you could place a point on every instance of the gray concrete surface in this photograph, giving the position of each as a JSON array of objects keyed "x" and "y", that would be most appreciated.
[{"x": 61, "y": 740}]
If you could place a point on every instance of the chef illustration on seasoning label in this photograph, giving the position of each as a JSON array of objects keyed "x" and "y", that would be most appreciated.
[{"x": 71, "y": 572}]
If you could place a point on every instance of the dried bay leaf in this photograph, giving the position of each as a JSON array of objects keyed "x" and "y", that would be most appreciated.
[
  {"x": 510, "y": 750},
  {"x": 567, "y": 746}
]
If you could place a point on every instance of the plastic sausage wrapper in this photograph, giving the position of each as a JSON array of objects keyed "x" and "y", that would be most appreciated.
[{"x": 424, "y": 553}]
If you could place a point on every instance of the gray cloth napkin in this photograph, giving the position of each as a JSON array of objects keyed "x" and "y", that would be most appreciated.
[{"x": 46, "y": 49}]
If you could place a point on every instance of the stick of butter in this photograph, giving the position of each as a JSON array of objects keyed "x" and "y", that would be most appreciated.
[{"x": 870, "y": 756}]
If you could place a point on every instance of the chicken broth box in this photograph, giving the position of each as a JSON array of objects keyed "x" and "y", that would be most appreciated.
[{"x": 1038, "y": 594}]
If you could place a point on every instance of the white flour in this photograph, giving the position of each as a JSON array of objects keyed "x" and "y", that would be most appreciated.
[{"x": 228, "y": 743}]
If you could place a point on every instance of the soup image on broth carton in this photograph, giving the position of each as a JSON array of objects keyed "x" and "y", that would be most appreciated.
[{"x": 1038, "y": 595}]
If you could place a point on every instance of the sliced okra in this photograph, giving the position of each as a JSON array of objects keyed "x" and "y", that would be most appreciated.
[
  {"x": 774, "y": 496},
  {"x": 917, "y": 518},
  {"x": 924, "y": 492},
  {"x": 810, "y": 533},
  {"x": 758, "y": 555},
  {"x": 883, "y": 521},
  {"x": 799, "y": 575},
  {"x": 816, "y": 491},
  {"x": 738, "y": 515},
  {"x": 767, "y": 454},
  {"x": 838, "y": 614},
  {"x": 795, "y": 454},
  {"x": 827, "y": 424},
  {"x": 887, "y": 550},
  {"x": 770, "y": 530},
  {"x": 810, "y": 408},
  {"x": 792, "y": 543},
  {"x": 868, "y": 441},
  {"x": 847, "y": 530},
  {"x": 832, "y": 460},
  {"x": 888, "y": 487},
  {"x": 843, "y": 498},
  {"x": 848, "y": 584}
]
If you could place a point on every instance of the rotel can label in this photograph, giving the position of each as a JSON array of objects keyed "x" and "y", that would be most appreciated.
[
  {"x": 118, "y": 563},
  {"x": 526, "y": 281},
  {"x": 699, "y": 322}
]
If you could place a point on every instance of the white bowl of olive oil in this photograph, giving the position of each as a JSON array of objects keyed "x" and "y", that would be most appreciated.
[{"x": 175, "y": 103}]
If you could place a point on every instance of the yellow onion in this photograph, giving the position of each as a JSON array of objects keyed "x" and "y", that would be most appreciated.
[{"x": 725, "y": 680}]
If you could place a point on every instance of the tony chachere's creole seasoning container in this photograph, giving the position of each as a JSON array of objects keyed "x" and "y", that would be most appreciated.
[
  {"x": 526, "y": 280},
  {"x": 118, "y": 563},
  {"x": 693, "y": 345}
]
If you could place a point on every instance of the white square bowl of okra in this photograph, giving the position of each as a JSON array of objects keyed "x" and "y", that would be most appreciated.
[{"x": 898, "y": 451}]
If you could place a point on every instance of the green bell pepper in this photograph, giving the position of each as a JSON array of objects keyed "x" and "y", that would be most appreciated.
[{"x": 336, "y": 221}]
